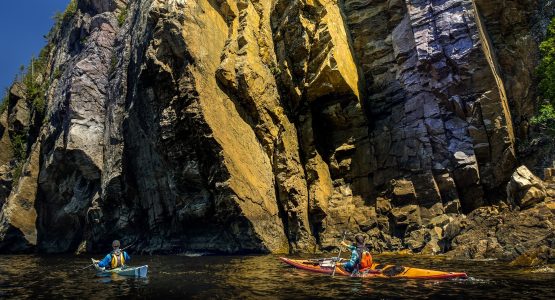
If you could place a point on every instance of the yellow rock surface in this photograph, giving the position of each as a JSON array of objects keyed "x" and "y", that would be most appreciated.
[{"x": 20, "y": 206}]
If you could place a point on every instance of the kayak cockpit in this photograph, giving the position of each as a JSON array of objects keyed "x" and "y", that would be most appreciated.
[{"x": 128, "y": 271}]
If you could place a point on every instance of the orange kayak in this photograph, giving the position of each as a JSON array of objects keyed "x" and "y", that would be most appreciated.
[{"x": 326, "y": 266}]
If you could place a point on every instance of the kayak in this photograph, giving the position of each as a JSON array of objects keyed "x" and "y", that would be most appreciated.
[
  {"x": 123, "y": 271},
  {"x": 326, "y": 266}
]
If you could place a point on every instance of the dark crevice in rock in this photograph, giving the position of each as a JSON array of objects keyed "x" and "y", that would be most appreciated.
[{"x": 13, "y": 240}]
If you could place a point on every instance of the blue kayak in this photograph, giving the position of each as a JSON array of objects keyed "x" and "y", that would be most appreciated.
[{"x": 123, "y": 271}]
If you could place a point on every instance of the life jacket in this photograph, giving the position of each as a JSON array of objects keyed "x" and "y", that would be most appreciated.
[
  {"x": 118, "y": 260},
  {"x": 365, "y": 258}
]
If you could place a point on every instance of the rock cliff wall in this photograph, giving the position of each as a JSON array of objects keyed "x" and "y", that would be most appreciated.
[{"x": 272, "y": 126}]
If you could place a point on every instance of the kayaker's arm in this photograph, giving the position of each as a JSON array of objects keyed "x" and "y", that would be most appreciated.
[
  {"x": 350, "y": 247},
  {"x": 106, "y": 261},
  {"x": 126, "y": 257}
]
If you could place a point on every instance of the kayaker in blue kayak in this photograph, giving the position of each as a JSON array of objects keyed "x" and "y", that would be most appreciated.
[{"x": 115, "y": 259}]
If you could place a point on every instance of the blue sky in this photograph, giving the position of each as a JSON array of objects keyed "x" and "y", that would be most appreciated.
[{"x": 23, "y": 23}]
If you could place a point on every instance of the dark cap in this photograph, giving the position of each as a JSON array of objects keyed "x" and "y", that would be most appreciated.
[{"x": 115, "y": 244}]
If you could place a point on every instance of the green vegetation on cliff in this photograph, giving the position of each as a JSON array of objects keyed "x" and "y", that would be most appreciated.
[
  {"x": 36, "y": 84},
  {"x": 67, "y": 15},
  {"x": 546, "y": 73},
  {"x": 546, "y": 118},
  {"x": 123, "y": 16},
  {"x": 546, "y": 70}
]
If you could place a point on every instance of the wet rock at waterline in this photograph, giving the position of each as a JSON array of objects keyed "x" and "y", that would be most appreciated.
[
  {"x": 274, "y": 126},
  {"x": 497, "y": 232}
]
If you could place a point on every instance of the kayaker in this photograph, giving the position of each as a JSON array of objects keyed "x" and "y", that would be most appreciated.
[
  {"x": 360, "y": 256},
  {"x": 115, "y": 259}
]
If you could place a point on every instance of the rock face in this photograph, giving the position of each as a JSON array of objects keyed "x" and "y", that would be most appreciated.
[
  {"x": 273, "y": 126},
  {"x": 6, "y": 156},
  {"x": 18, "y": 216}
]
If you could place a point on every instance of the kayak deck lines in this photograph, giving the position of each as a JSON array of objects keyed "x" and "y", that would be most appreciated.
[{"x": 326, "y": 266}]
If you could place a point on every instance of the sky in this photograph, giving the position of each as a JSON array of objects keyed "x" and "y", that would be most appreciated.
[{"x": 23, "y": 23}]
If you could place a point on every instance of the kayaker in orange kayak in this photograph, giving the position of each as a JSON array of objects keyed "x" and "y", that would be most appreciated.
[{"x": 360, "y": 256}]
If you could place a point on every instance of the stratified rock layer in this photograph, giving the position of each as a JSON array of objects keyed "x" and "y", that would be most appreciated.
[{"x": 274, "y": 126}]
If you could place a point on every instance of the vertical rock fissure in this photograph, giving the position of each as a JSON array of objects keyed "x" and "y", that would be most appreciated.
[
  {"x": 283, "y": 212},
  {"x": 488, "y": 50}
]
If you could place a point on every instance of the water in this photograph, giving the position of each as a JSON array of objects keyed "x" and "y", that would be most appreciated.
[{"x": 262, "y": 277}]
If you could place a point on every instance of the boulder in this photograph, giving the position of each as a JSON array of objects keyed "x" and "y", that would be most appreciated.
[
  {"x": 447, "y": 188},
  {"x": 435, "y": 244},
  {"x": 439, "y": 221},
  {"x": 402, "y": 192},
  {"x": 453, "y": 229},
  {"x": 525, "y": 189}
]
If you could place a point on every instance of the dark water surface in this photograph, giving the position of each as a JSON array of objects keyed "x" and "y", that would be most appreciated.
[{"x": 261, "y": 277}]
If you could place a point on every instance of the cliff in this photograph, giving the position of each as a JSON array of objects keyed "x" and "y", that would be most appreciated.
[{"x": 273, "y": 126}]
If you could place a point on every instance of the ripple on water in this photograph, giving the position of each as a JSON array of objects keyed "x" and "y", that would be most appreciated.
[
  {"x": 194, "y": 254},
  {"x": 544, "y": 269}
]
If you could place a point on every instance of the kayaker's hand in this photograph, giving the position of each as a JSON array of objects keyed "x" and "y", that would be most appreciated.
[{"x": 102, "y": 268}]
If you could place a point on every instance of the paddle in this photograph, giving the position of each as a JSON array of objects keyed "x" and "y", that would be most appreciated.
[
  {"x": 340, "y": 248},
  {"x": 128, "y": 245},
  {"x": 83, "y": 268}
]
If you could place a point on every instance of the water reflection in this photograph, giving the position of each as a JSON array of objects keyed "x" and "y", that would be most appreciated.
[{"x": 256, "y": 277}]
